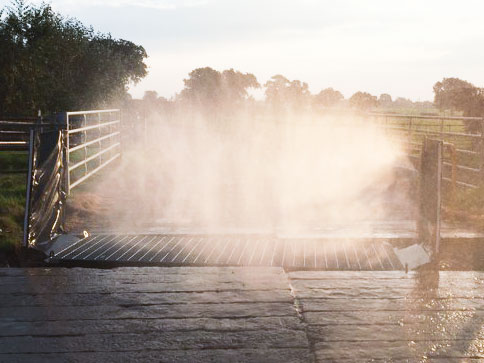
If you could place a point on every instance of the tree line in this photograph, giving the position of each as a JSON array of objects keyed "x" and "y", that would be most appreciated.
[
  {"x": 217, "y": 92},
  {"x": 51, "y": 63}
]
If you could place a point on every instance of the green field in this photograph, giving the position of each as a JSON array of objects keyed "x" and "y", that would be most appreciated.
[{"x": 12, "y": 198}]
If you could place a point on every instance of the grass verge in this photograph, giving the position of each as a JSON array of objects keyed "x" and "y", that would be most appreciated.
[
  {"x": 12, "y": 199},
  {"x": 465, "y": 208}
]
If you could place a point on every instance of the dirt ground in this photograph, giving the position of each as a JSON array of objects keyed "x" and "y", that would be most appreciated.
[{"x": 130, "y": 199}]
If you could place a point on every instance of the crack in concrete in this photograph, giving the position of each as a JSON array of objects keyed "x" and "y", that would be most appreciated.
[{"x": 299, "y": 309}]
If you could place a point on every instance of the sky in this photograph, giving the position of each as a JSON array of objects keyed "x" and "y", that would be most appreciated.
[{"x": 378, "y": 46}]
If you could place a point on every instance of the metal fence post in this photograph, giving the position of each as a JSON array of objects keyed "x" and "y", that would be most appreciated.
[
  {"x": 442, "y": 129},
  {"x": 481, "y": 152},
  {"x": 453, "y": 161},
  {"x": 25, "y": 241},
  {"x": 120, "y": 128},
  {"x": 410, "y": 145},
  {"x": 68, "y": 172},
  {"x": 439, "y": 196}
]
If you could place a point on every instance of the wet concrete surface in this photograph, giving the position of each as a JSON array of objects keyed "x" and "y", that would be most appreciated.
[
  {"x": 390, "y": 316},
  {"x": 239, "y": 314}
]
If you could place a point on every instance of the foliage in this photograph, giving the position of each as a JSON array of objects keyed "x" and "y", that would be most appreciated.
[
  {"x": 328, "y": 97},
  {"x": 214, "y": 92},
  {"x": 363, "y": 101},
  {"x": 385, "y": 100},
  {"x": 456, "y": 94},
  {"x": 52, "y": 63},
  {"x": 283, "y": 95}
]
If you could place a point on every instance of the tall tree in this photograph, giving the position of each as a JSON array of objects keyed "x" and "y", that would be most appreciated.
[
  {"x": 385, "y": 100},
  {"x": 363, "y": 101},
  {"x": 283, "y": 95},
  {"x": 459, "y": 95},
  {"x": 236, "y": 84},
  {"x": 328, "y": 97},
  {"x": 53, "y": 63},
  {"x": 215, "y": 92}
]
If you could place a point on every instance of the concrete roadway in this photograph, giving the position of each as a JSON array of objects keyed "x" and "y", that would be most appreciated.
[{"x": 239, "y": 314}]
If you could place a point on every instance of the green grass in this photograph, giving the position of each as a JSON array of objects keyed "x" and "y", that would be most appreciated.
[
  {"x": 13, "y": 160},
  {"x": 12, "y": 199},
  {"x": 465, "y": 208}
]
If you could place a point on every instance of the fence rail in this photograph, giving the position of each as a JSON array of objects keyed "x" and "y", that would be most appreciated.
[
  {"x": 93, "y": 142},
  {"x": 14, "y": 133},
  {"x": 463, "y": 137}
]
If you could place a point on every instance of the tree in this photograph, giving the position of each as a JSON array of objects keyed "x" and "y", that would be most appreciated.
[
  {"x": 385, "y": 100},
  {"x": 458, "y": 95},
  {"x": 283, "y": 95},
  {"x": 363, "y": 101},
  {"x": 235, "y": 85},
  {"x": 402, "y": 102},
  {"x": 53, "y": 63},
  {"x": 328, "y": 97},
  {"x": 150, "y": 97},
  {"x": 209, "y": 90}
]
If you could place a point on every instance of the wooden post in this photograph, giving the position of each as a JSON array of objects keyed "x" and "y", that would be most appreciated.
[{"x": 430, "y": 195}]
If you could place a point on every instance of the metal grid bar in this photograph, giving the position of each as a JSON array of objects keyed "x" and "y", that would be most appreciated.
[
  {"x": 78, "y": 113},
  {"x": 390, "y": 115},
  {"x": 469, "y": 152},
  {"x": 78, "y": 147},
  {"x": 13, "y": 143},
  {"x": 148, "y": 250},
  {"x": 107, "y": 128},
  {"x": 461, "y": 167},
  {"x": 97, "y": 126},
  {"x": 462, "y": 184},
  {"x": 231, "y": 251},
  {"x": 80, "y": 180},
  {"x": 92, "y": 157},
  {"x": 212, "y": 251},
  {"x": 428, "y": 132},
  {"x": 82, "y": 254},
  {"x": 161, "y": 250}
]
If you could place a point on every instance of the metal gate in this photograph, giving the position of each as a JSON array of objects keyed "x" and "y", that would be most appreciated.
[
  {"x": 63, "y": 153},
  {"x": 92, "y": 141}
]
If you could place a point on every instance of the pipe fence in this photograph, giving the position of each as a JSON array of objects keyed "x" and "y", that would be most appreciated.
[
  {"x": 63, "y": 153},
  {"x": 462, "y": 137},
  {"x": 14, "y": 132},
  {"x": 93, "y": 141}
]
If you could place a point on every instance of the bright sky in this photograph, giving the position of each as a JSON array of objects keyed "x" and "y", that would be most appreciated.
[{"x": 379, "y": 46}]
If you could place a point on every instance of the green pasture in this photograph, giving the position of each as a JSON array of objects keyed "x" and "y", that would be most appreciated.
[{"x": 12, "y": 198}]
